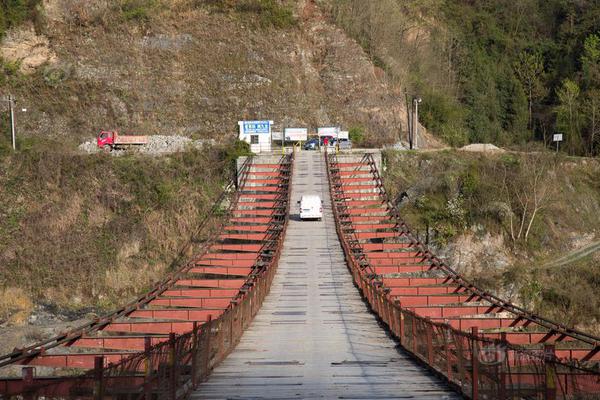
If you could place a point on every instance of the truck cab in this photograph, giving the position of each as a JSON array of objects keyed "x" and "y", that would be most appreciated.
[
  {"x": 106, "y": 140},
  {"x": 311, "y": 207}
]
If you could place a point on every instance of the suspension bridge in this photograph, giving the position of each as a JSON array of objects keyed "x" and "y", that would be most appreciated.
[{"x": 351, "y": 307}]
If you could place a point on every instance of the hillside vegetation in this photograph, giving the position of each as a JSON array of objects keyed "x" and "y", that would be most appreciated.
[
  {"x": 81, "y": 232},
  {"x": 499, "y": 71},
  {"x": 502, "y": 219}
]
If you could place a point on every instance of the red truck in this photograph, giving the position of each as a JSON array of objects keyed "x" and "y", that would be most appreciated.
[{"x": 109, "y": 140}]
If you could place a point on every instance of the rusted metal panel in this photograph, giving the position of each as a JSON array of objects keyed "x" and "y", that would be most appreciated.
[
  {"x": 78, "y": 360},
  {"x": 212, "y": 283},
  {"x": 231, "y": 256},
  {"x": 259, "y": 204},
  {"x": 130, "y": 343},
  {"x": 370, "y": 227},
  {"x": 202, "y": 302},
  {"x": 396, "y": 254},
  {"x": 247, "y": 228},
  {"x": 201, "y": 292},
  {"x": 243, "y": 236},
  {"x": 428, "y": 300},
  {"x": 449, "y": 311},
  {"x": 421, "y": 290},
  {"x": 234, "y": 262},
  {"x": 232, "y": 271},
  {"x": 265, "y": 181},
  {"x": 258, "y": 196},
  {"x": 176, "y": 314},
  {"x": 397, "y": 261},
  {"x": 252, "y": 248},
  {"x": 374, "y": 235},
  {"x": 155, "y": 327},
  {"x": 384, "y": 246},
  {"x": 254, "y": 212},
  {"x": 403, "y": 282},
  {"x": 396, "y": 269},
  {"x": 354, "y": 188}
]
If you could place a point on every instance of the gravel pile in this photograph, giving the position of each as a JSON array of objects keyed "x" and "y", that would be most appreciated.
[
  {"x": 157, "y": 145},
  {"x": 482, "y": 148}
]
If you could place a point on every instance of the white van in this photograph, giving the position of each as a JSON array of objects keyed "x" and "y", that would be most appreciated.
[{"x": 311, "y": 207}]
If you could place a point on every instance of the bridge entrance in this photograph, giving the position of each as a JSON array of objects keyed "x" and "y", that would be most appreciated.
[{"x": 314, "y": 336}]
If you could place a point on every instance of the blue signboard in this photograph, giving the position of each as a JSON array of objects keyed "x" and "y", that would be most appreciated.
[{"x": 256, "y": 127}]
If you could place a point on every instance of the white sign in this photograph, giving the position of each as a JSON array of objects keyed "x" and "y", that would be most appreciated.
[
  {"x": 255, "y": 127},
  {"x": 328, "y": 131},
  {"x": 296, "y": 134},
  {"x": 558, "y": 137},
  {"x": 344, "y": 135},
  {"x": 277, "y": 136}
]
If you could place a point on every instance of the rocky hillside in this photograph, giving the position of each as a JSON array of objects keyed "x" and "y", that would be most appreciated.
[{"x": 193, "y": 68}]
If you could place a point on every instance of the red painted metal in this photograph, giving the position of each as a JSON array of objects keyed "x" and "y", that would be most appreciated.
[
  {"x": 200, "y": 293},
  {"x": 402, "y": 279},
  {"x": 131, "y": 343}
]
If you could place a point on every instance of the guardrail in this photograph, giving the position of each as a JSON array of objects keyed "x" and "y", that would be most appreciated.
[
  {"x": 480, "y": 368},
  {"x": 168, "y": 370}
]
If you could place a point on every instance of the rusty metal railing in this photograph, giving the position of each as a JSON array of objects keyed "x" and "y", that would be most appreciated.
[
  {"x": 478, "y": 367},
  {"x": 172, "y": 369}
]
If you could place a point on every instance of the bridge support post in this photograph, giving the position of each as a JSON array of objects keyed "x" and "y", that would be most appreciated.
[
  {"x": 208, "y": 349},
  {"x": 173, "y": 367},
  {"x": 448, "y": 353},
  {"x": 474, "y": 364},
  {"x": 429, "y": 332},
  {"x": 99, "y": 378},
  {"x": 502, "y": 373},
  {"x": 400, "y": 321},
  {"x": 147, "y": 369},
  {"x": 549, "y": 358},
  {"x": 27, "y": 374},
  {"x": 414, "y": 333},
  {"x": 195, "y": 355}
]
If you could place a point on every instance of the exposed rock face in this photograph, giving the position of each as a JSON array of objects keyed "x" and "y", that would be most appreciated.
[{"x": 24, "y": 46}]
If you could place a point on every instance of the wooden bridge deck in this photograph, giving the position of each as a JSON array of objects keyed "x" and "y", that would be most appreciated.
[{"x": 314, "y": 337}]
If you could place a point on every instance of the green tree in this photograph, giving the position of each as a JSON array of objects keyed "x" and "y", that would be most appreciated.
[
  {"x": 590, "y": 61},
  {"x": 567, "y": 114},
  {"x": 529, "y": 68}
]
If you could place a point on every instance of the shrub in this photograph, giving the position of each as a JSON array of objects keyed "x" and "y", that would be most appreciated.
[
  {"x": 357, "y": 134},
  {"x": 15, "y": 12},
  {"x": 270, "y": 12},
  {"x": 137, "y": 10}
]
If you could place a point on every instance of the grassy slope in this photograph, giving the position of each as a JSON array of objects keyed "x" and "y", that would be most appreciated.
[
  {"x": 462, "y": 197},
  {"x": 93, "y": 231}
]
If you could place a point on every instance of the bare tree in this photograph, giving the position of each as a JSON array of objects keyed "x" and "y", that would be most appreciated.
[
  {"x": 527, "y": 189},
  {"x": 592, "y": 111}
]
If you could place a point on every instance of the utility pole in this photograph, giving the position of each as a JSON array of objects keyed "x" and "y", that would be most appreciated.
[
  {"x": 283, "y": 141},
  {"x": 416, "y": 102},
  {"x": 11, "y": 107},
  {"x": 409, "y": 121}
]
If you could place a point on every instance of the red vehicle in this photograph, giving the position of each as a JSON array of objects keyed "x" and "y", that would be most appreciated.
[{"x": 109, "y": 140}]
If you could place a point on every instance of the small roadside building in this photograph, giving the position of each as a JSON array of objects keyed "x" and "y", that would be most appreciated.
[{"x": 257, "y": 134}]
